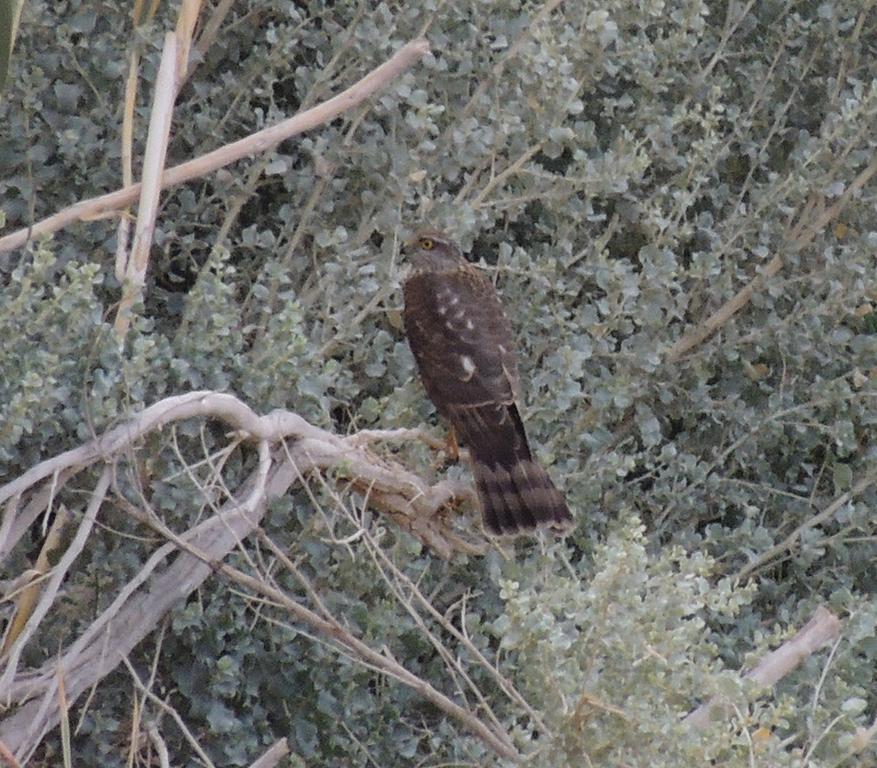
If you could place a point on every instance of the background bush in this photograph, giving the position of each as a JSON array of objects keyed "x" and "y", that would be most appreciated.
[{"x": 623, "y": 169}]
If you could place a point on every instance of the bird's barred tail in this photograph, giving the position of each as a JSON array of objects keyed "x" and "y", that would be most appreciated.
[
  {"x": 519, "y": 498},
  {"x": 515, "y": 492}
]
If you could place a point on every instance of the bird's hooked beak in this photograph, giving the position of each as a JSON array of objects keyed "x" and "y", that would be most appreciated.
[{"x": 409, "y": 244}]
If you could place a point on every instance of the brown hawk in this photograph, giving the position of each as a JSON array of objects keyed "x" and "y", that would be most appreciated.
[{"x": 462, "y": 342}]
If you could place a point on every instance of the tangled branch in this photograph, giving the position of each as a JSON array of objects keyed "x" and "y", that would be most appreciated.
[{"x": 289, "y": 449}]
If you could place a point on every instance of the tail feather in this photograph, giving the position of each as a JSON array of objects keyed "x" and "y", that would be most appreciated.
[
  {"x": 519, "y": 500},
  {"x": 516, "y": 493}
]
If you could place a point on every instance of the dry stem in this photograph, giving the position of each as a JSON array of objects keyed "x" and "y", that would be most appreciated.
[
  {"x": 273, "y": 755},
  {"x": 251, "y": 145},
  {"x": 330, "y": 627},
  {"x": 822, "y": 628},
  {"x": 150, "y": 188},
  {"x": 800, "y": 235},
  {"x": 787, "y": 544}
]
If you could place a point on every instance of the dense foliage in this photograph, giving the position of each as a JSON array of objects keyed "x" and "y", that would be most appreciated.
[{"x": 623, "y": 168}]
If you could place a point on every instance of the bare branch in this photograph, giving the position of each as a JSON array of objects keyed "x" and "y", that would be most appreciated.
[
  {"x": 210, "y": 32},
  {"x": 330, "y": 627},
  {"x": 193, "y": 742},
  {"x": 365, "y": 436},
  {"x": 822, "y": 628},
  {"x": 29, "y": 594},
  {"x": 150, "y": 188},
  {"x": 160, "y": 747},
  {"x": 800, "y": 235},
  {"x": 17, "y": 523},
  {"x": 701, "y": 333},
  {"x": 254, "y": 144},
  {"x": 186, "y": 20},
  {"x": 134, "y": 613},
  {"x": 403, "y": 581},
  {"x": 400, "y": 494}
]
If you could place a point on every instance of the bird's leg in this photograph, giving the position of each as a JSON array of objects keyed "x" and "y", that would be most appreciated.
[
  {"x": 448, "y": 451},
  {"x": 452, "y": 447}
]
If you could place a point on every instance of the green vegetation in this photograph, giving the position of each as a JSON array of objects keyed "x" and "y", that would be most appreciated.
[{"x": 624, "y": 169}]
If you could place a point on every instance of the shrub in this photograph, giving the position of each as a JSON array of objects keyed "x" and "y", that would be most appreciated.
[{"x": 623, "y": 170}]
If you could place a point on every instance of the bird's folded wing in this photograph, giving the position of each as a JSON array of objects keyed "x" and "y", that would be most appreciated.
[{"x": 461, "y": 339}]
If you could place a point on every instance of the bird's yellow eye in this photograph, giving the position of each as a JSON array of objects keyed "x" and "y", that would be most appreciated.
[{"x": 426, "y": 243}]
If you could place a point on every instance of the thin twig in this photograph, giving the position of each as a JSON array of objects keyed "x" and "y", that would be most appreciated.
[
  {"x": 273, "y": 755},
  {"x": 452, "y": 663},
  {"x": 210, "y": 32},
  {"x": 29, "y": 594},
  {"x": 160, "y": 747},
  {"x": 193, "y": 742},
  {"x": 403, "y": 434},
  {"x": 328, "y": 626},
  {"x": 199, "y": 403},
  {"x": 513, "y": 168},
  {"x": 788, "y": 543},
  {"x": 16, "y": 523},
  {"x": 59, "y": 572},
  {"x": 499, "y": 742},
  {"x": 504, "y": 684},
  {"x": 186, "y": 20},
  {"x": 144, "y": 601}
]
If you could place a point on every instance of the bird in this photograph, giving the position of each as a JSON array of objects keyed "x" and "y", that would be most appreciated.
[{"x": 462, "y": 342}]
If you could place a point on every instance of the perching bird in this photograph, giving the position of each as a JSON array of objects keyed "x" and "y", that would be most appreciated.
[{"x": 462, "y": 342}]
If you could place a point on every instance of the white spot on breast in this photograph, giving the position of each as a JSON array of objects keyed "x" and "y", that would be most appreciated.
[
  {"x": 468, "y": 366},
  {"x": 442, "y": 310},
  {"x": 454, "y": 299},
  {"x": 502, "y": 349},
  {"x": 469, "y": 325},
  {"x": 460, "y": 314}
]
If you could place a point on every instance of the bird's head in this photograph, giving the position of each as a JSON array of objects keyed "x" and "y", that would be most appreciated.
[{"x": 431, "y": 251}]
